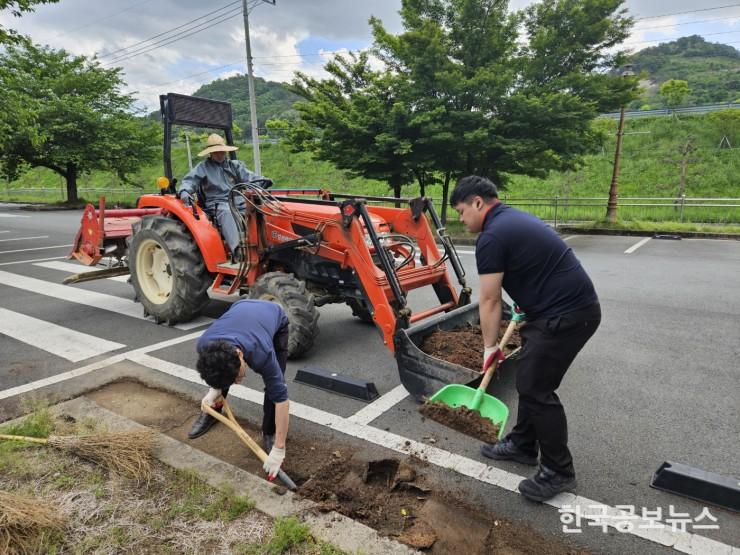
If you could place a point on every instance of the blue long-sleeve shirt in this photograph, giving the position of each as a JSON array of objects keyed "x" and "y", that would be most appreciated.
[
  {"x": 216, "y": 179},
  {"x": 251, "y": 326}
]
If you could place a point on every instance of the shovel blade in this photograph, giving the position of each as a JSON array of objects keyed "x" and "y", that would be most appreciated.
[{"x": 486, "y": 405}]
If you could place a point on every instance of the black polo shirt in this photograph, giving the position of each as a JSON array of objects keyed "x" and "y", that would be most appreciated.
[{"x": 541, "y": 273}]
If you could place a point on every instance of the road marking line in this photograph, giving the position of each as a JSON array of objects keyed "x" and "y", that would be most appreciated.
[
  {"x": 32, "y": 260},
  {"x": 662, "y": 534},
  {"x": 379, "y": 406},
  {"x": 6, "y": 231},
  {"x": 111, "y": 303},
  {"x": 569, "y": 237},
  {"x": 6, "y": 215},
  {"x": 53, "y": 338},
  {"x": 637, "y": 245},
  {"x": 36, "y": 249},
  {"x": 73, "y": 268},
  {"x": 24, "y": 238},
  {"x": 51, "y": 380}
]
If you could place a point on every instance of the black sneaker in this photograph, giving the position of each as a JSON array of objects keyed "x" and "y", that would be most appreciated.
[
  {"x": 545, "y": 484},
  {"x": 202, "y": 424},
  {"x": 267, "y": 442},
  {"x": 505, "y": 450}
]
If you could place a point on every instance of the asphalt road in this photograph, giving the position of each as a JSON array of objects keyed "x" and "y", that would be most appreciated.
[{"x": 658, "y": 382}]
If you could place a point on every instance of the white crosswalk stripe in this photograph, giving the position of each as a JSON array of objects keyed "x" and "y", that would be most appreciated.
[
  {"x": 94, "y": 299},
  {"x": 24, "y": 238},
  {"x": 72, "y": 268},
  {"x": 52, "y": 338}
]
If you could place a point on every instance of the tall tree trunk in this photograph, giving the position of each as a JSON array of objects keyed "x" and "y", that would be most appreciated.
[
  {"x": 396, "y": 184},
  {"x": 71, "y": 177},
  {"x": 421, "y": 178},
  {"x": 445, "y": 192}
]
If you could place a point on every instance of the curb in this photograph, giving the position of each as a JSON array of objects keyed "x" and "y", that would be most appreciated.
[{"x": 341, "y": 531}]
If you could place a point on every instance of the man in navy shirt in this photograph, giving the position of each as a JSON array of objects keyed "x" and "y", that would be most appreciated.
[
  {"x": 518, "y": 252},
  {"x": 250, "y": 334}
]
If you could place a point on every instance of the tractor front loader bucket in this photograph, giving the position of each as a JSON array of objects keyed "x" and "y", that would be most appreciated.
[{"x": 421, "y": 374}]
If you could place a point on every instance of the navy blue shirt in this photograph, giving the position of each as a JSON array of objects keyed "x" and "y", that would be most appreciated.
[
  {"x": 541, "y": 273},
  {"x": 251, "y": 326}
]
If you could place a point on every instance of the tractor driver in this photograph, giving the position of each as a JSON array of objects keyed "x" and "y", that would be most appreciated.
[
  {"x": 251, "y": 334},
  {"x": 213, "y": 178},
  {"x": 518, "y": 252}
]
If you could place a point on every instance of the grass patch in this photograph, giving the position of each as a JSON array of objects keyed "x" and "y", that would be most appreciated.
[
  {"x": 200, "y": 501},
  {"x": 290, "y": 535}
]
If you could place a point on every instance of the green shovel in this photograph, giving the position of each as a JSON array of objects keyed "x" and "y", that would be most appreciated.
[{"x": 456, "y": 395}]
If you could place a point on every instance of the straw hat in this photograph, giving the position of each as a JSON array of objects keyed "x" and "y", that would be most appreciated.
[{"x": 216, "y": 143}]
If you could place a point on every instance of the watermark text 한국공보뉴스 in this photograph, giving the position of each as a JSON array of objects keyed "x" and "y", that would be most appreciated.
[{"x": 626, "y": 518}]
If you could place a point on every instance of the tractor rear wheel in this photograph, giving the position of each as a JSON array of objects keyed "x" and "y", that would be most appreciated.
[
  {"x": 167, "y": 270},
  {"x": 298, "y": 304}
]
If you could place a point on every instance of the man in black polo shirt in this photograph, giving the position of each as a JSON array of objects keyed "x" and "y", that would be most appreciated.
[{"x": 521, "y": 254}]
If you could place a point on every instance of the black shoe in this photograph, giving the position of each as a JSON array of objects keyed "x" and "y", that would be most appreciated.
[
  {"x": 505, "y": 450},
  {"x": 202, "y": 424},
  {"x": 267, "y": 442},
  {"x": 545, "y": 484}
]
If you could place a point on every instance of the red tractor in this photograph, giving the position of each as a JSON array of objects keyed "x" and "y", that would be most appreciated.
[{"x": 304, "y": 248}]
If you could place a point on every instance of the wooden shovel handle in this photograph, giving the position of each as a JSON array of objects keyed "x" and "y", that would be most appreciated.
[
  {"x": 25, "y": 438},
  {"x": 492, "y": 367},
  {"x": 236, "y": 428}
]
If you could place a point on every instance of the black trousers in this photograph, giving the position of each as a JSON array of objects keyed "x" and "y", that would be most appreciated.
[
  {"x": 280, "y": 343},
  {"x": 549, "y": 346}
]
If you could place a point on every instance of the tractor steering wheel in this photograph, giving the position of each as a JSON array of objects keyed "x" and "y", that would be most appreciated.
[{"x": 263, "y": 182}]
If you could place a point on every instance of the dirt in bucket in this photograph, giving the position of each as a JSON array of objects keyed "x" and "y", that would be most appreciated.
[
  {"x": 464, "y": 345},
  {"x": 462, "y": 419},
  {"x": 392, "y": 495}
]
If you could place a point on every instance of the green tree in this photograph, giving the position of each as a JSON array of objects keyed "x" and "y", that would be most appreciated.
[
  {"x": 460, "y": 95},
  {"x": 66, "y": 113},
  {"x": 17, "y": 8},
  {"x": 363, "y": 124},
  {"x": 674, "y": 91}
]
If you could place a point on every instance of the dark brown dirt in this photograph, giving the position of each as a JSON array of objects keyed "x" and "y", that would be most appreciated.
[
  {"x": 389, "y": 495},
  {"x": 462, "y": 419},
  {"x": 464, "y": 346}
]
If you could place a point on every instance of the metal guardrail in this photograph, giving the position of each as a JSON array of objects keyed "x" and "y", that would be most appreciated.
[
  {"x": 556, "y": 210},
  {"x": 667, "y": 111}
]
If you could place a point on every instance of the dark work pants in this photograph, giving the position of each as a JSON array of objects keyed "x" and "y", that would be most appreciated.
[
  {"x": 280, "y": 343},
  {"x": 549, "y": 346}
]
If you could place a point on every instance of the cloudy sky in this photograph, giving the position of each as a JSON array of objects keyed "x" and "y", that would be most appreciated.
[{"x": 140, "y": 35}]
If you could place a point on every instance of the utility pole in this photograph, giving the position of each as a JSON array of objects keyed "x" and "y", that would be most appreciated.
[
  {"x": 250, "y": 82},
  {"x": 611, "y": 206}
]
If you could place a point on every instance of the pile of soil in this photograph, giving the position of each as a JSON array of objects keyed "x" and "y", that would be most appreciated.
[
  {"x": 464, "y": 346},
  {"x": 390, "y": 495},
  {"x": 462, "y": 419}
]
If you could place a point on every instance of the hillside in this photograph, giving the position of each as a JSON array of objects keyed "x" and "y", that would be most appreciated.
[
  {"x": 274, "y": 101},
  {"x": 712, "y": 70}
]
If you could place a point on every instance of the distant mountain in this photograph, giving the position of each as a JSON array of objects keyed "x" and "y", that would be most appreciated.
[
  {"x": 274, "y": 100},
  {"x": 712, "y": 70}
]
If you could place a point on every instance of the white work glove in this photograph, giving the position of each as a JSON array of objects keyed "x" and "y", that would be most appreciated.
[
  {"x": 273, "y": 462},
  {"x": 212, "y": 398},
  {"x": 490, "y": 354}
]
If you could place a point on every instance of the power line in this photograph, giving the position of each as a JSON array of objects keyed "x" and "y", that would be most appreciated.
[
  {"x": 192, "y": 31},
  {"x": 689, "y": 11},
  {"x": 684, "y": 23},
  {"x": 184, "y": 78},
  {"x": 131, "y": 46},
  {"x": 169, "y": 40}
]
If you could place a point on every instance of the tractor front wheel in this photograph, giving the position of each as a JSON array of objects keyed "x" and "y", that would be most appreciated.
[
  {"x": 298, "y": 304},
  {"x": 167, "y": 271}
]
